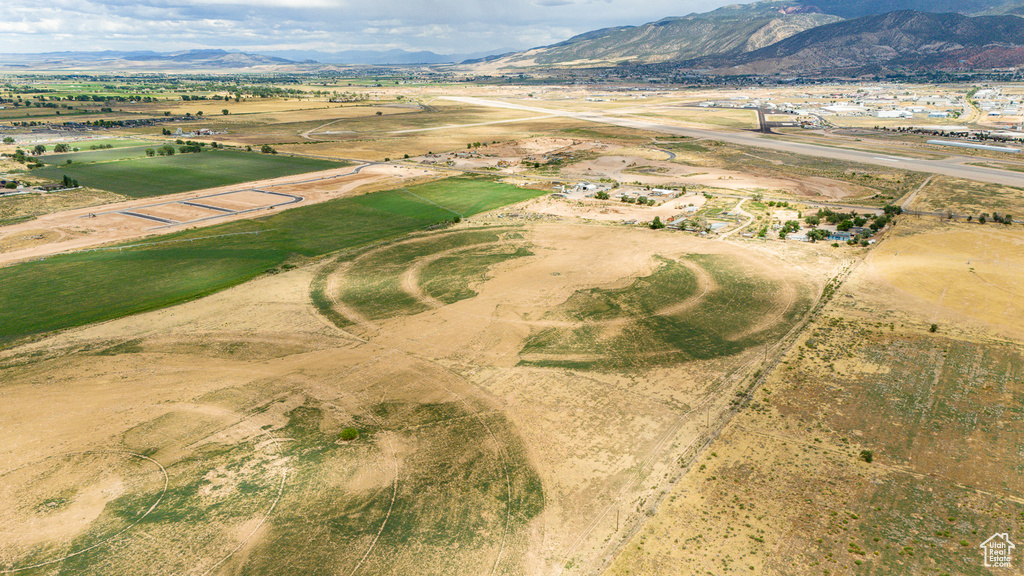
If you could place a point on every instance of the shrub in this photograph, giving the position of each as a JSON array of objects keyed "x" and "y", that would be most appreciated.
[
  {"x": 349, "y": 434},
  {"x": 933, "y": 328},
  {"x": 867, "y": 456}
]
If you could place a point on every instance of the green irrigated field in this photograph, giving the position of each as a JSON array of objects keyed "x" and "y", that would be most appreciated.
[
  {"x": 669, "y": 317},
  {"x": 94, "y": 156},
  {"x": 448, "y": 279},
  {"x": 77, "y": 289},
  {"x": 137, "y": 176},
  {"x": 373, "y": 283}
]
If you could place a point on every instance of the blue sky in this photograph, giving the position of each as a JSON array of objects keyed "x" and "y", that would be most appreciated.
[{"x": 443, "y": 26}]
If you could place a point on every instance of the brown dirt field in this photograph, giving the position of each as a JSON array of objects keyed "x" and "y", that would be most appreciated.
[
  {"x": 584, "y": 428},
  {"x": 78, "y": 231},
  {"x": 602, "y": 444},
  {"x": 34, "y": 205},
  {"x": 962, "y": 271},
  {"x": 785, "y": 490},
  {"x": 381, "y": 144},
  {"x": 613, "y": 210},
  {"x": 177, "y": 212}
]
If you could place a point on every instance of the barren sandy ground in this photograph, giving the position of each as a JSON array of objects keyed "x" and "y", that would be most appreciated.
[
  {"x": 76, "y": 230},
  {"x": 603, "y": 444},
  {"x": 629, "y": 169},
  {"x": 613, "y": 210},
  {"x": 968, "y": 273},
  {"x": 786, "y": 489},
  {"x": 584, "y": 429}
]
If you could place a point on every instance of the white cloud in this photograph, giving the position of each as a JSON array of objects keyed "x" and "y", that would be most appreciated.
[{"x": 443, "y": 26}]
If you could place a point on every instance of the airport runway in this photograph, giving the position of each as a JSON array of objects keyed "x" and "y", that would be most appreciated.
[{"x": 954, "y": 166}]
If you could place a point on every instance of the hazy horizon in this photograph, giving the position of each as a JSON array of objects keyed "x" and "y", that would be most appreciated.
[{"x": 443, "y": 27}]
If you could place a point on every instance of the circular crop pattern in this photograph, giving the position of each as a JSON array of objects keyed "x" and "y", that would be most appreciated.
[
  {"x": 60, "y": 508},
  {"x": 612, "y": 306}
]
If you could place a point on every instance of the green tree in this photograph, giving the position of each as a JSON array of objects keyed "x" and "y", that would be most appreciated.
[
  {"x": 867, "y": 456},
  {"x": 267, "y": 149},
  {"x": 657, "y": 224},
  {"x": 844, "y": 225},
  {"x": 225, "y": 112},
  {"x": 60, "y": 148},
  {"x": 38, "y": 149},
  {"x": 602, "y": 195},
  {"x": 8, "y": 140}
]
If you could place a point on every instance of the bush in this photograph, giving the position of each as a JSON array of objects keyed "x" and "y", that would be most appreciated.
[
  {"x": 933, "y": 328},
  {"x": 349, "y": 434},
  {"x": 867, "y": 456}
]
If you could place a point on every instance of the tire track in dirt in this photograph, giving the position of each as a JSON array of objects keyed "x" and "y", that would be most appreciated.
[
  {"x": 785, "y": 303},
  {"x": 123, "y": 530},
  {"x": 410, "y": 284}
]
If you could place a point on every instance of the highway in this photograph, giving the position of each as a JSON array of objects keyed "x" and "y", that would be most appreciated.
[{"x": 954, "y": 166}]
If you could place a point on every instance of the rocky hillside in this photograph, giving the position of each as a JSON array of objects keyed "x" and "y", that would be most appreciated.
[
  {"x": 730, "y": 33},
  {"x": 732, "y": 29},
  {"x": 899, "y": 40}
]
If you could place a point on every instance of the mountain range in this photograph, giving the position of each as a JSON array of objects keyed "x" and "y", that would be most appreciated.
[
  {"x": 904, "y": 40},
  {"x": 815, "y": 36},
  {"x": 215, "y": 59}
]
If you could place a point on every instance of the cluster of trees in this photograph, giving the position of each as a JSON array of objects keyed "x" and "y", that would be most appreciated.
[
  {"x": 844, "y": 221},
  {"x": 267, "y": 149},
  {"x": 165, "y": 150},
  {"x": 641, "y": 200},
  {"x": 657, "y": 224},
  {"x": 69, "y": 182},
  {"x": 20, "y": 156},
  {"x": 184, "y": 147},
  {"x": 996, "y": 217},
  {"x": 788, "y": 228}
]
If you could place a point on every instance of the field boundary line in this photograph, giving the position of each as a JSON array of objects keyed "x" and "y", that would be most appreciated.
[
  {"x": 123, "y": 530},
  {"x": 270, "y": 511}
]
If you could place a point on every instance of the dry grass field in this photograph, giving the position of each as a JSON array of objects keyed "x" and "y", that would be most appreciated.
[
  {"x": 787, "y": 489},
  {"x": 965, "y": 198},
  {"x": 468, "y": 456},
  {"x": 541, "y": 389}
]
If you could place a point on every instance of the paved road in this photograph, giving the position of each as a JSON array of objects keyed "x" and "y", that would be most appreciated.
[{"x": 953, "y": 166}]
